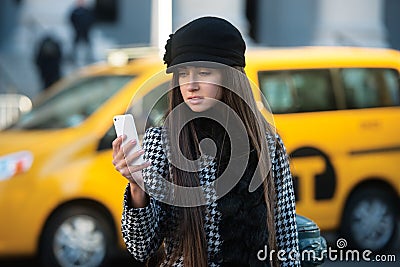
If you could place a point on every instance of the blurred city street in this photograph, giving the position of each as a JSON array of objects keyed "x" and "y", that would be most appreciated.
[{"x": 326, "y": 77}]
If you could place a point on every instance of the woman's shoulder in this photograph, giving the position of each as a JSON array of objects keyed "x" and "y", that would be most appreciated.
[
  {"x": 153, "y": 131},
  {"x": 156, "y": 132},
  {"x": 275, "y": 142},
  {"x": 153, "y": 135}
]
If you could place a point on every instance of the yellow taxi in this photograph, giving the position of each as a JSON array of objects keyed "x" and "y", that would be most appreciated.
[{"x": 337, "y": 110}]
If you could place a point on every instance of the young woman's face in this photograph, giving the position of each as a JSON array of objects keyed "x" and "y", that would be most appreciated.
[{"x": 200, "y": 87}]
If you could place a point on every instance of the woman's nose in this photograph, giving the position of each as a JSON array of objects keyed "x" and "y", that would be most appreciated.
[{"x": 192, "y": 84}]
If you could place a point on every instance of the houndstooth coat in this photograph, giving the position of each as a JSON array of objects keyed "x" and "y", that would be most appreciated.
[{"x": 145, "y": 229}]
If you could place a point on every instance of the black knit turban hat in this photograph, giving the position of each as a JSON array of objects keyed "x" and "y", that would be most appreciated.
[{"x": 209, "y": 39}]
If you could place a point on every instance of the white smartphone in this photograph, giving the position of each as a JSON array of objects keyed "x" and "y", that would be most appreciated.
[{"x": 125, "y": 125}]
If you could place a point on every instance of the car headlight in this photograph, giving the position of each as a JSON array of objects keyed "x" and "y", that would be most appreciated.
[{"x": 15, "y": 163}]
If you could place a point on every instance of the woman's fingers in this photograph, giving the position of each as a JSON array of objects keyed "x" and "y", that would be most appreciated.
[
  {"x": 123, "y": 161},
  {"x": 127, "y": 148},
  {"x": 120, "y": 151},
  {"x": 137, "y": 168},
  {"x": 133, "y": 173},
  {"x": 130, "y": 158},
  {"x": 116, "y": 144}
]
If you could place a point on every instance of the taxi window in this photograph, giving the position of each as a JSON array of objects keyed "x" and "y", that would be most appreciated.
[
  {"x": 369, "y": 88},
  {"x": 72, "y": 105},
  {"x": 151, "y": 109},
  {"x": 298, "y": 90}
]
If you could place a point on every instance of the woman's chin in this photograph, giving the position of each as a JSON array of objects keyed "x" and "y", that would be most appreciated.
[{"x": 198, "y": 109}]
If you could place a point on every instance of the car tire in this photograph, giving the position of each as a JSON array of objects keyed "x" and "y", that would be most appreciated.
[
  {"x": 76, "y": 236},
  {"x": 370, "y": 219}
]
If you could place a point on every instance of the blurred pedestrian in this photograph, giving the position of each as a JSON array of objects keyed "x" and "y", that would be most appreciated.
[
  {"x": 227, "y": 222},
  {"x": 48, "y": 60},
  {"x": 82, "y": 20}
]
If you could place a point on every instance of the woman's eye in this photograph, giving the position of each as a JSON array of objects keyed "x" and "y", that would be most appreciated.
[
  {"x": 204, "y": 73},
  {"x": 182, "y": 74}
]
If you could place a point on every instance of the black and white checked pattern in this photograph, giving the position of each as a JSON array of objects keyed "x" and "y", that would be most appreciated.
[
  {"x": 146, "y": 228},
  {"x": 285, "y": 215},
  {"x": 213, "y": 216}
]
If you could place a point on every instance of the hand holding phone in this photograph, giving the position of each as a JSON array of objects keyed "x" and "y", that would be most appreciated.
[{"x": 125, "y": 125}]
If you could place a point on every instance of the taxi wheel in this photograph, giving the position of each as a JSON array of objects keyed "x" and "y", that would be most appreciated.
[
  {"x": 76, "y": 236},
  {"x": 370, "y": 219}
]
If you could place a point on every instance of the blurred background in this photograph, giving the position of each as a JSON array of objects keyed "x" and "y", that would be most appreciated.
[
  {"x": 42, "y": 41},
  {"x": 25, "y": 24}
]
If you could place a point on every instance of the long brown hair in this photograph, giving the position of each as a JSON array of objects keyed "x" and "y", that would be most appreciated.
[{"x": 191, "y": 237}]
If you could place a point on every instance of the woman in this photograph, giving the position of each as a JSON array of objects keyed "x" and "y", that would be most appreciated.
[{"x": 209, "y": 205}]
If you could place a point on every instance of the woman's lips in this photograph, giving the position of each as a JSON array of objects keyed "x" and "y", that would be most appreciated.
[{"x": 194, "y": 100}]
